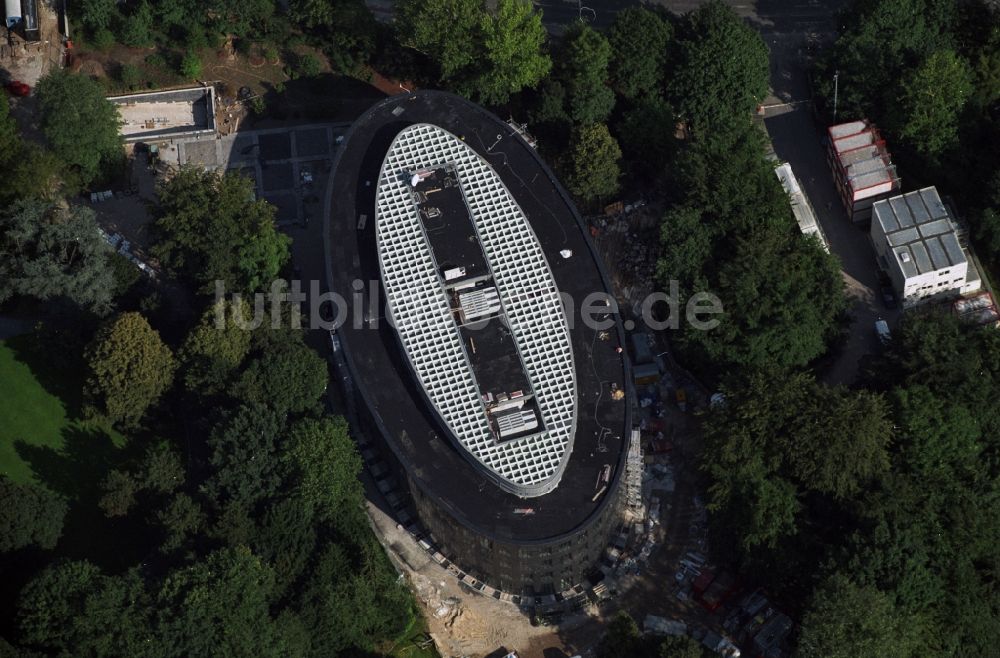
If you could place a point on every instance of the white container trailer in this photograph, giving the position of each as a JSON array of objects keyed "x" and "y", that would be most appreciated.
[{"x": 12, "y": 12}]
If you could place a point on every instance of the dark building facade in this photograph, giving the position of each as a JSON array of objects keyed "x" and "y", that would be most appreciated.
[{"x": 524, "y": 505}]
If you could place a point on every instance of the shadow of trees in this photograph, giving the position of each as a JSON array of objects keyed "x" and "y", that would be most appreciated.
[{"x": 76, "y": 472}]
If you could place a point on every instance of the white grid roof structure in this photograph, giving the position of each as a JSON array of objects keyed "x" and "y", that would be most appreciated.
[{"x": 420, "y": 310}]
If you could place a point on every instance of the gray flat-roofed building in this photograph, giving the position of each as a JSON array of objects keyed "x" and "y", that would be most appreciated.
[
  {"x": 917, "y": 244},
  {"x": 163, "y": 115}
]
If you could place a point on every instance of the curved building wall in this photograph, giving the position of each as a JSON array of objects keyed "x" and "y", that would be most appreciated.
[
  {"x": 541, "y": 567},
  {"x": 480, "y": 528}
]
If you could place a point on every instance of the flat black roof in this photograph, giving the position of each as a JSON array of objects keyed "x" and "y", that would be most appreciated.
[
  {"x": 380, "y": 370},
  {"x": 451, "y": 234}
]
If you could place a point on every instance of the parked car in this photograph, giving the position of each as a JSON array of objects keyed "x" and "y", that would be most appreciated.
[{"x": 882, "y": 330}]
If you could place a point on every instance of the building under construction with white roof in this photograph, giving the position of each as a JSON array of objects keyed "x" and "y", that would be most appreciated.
[
  {"x": 501, "y": 417},
  {"x": 917, "y": 244},
  {"x": 862, "y": 167}
]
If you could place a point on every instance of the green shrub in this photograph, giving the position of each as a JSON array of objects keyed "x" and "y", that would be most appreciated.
[
  {"x": 270, "y": 53},
  {"x": 190, "y": 65},
  {"x": 130, "y": 76},
  {"x": 102, "y": 39},
  {"x": 157, "y": 60},
  {"x": 195, "y": 37},
  {"x": 308, "y": 66},
  {"x": 136, "y": 29},
  {"x": 258, "y": 105}
]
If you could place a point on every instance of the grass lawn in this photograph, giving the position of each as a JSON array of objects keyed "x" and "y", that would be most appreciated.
[{"x": 36, "y": 422}]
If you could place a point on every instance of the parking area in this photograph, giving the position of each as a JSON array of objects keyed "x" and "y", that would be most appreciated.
[{"x": 289, "y": 166}]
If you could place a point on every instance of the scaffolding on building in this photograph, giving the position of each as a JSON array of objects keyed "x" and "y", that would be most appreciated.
[{"x": 635, "y": 509}]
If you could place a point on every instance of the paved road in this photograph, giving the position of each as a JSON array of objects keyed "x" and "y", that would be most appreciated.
[{"x": 797, "y": 141}]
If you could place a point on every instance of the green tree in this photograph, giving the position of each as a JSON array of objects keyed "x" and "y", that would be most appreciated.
[
  {"x": 181, "y": 520},
  {"x": 29, "y": 516},
  {"x": 289, "y": 378},
  {"x": 778, "y": 438},
  {"x": 930, "y": 102},
  {"x": 286, "y": 538},
  {"x": 79, "y": 123},
  {"x": 622, "y": 639},
  {"x": 71, "y": 608},
  {"x": 639, "y": 41},
  {"x": 324, "y": 466},
  {"x": 50, "y": 253},
  {"x": 988, "y": 232},
  {"x": 215, "y": 348},
  {"x": 98, "y": 14},
  {"x": 681, "y": 646},
  {"x": 879, "y": 42},
  {"x": 219, "y": 606},
  {"x": 513, "y": 56},
  {"x": 130, "y": 368},
  {"x": 244, "y": 18},
  {"x": 350, "y": 598},
  {"x": 311, "y": 13},
  {"x": 243, "y": 457},
  {"x": 583, "y": 70},
  {"x": 646, "y": 134},
  {"x": 591, "y": 165},
  {"x": 29, "y": 171},
  {"x": 159, "y": 471},
  {"x": 136, "y": 30},
  {"x": 191, "y": 65},
  {"x": 549, "y": 104},
  {"x": 130, "y": 76},
  {"x": 447, "y": 31},
  {"x": 781, "y": 294},
  {"x": 210, "y": 229},
  {"x": 722, "y": 70},
  {"x": 849, "y": 621}
]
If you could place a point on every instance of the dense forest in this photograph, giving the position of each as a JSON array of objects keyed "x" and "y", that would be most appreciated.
[{"x": 219, "y": 511}]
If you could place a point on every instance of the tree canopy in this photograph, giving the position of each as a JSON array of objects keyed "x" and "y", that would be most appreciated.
[
  {"x": 732, "y": 234},
  {"x": 485, "y": 53},
  {"x": 848, "y": 621},
  {"x": 30, "y": 515},
  {"x": 129, "y": 368},
  {"x": 216, "y": 347},
  {"x": 325, "y": 465},
  {"x": 513, "y": 55},
  {"x": 48, "y": 252},
  {"x": 80, "y": 124},
  {"x": 289, "y": 378},
  {"x": 446, "y": 30},
  {"x": 210, "y": 228},
  {"x": 777, "y": 439},
  {"x": 722, "y": 69},
  {"x": 932, "y": 97},
  {"x": 583, "y": 71},
  {"x": 29, "y": 171},
  {"x": 591, "y": 165},
  {"x": 639, "y": 39}
]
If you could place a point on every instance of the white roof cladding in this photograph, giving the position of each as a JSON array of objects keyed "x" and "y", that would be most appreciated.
[
  {"x": 421, "y": 314},
  {"x": 919, "y": 231}
]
